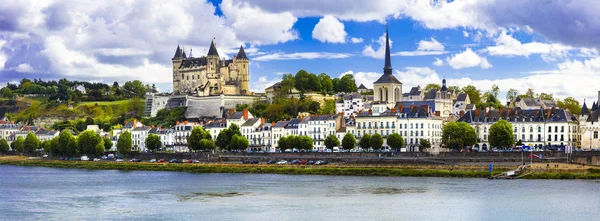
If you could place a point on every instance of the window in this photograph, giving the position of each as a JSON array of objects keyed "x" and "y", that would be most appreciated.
[
  {"x": 539, "y": 137},
  {"x": 539, "y": 129},
  {"x": 422, "y": 126},
  {"x": 485, "y": 130},
  {"x": 411, "y": 126},
  {"x": 523, "y": 137},
  {"x": 562, "y": 128},
  {"x": 530, "y": 129},
  {"x": 562, "y": 137},
  {"x": 549, "y": 129},
  {"x": 595, "y": 134},
  {"x": 515, "y": 129},
  {"x": 555, "y": 137},
  {"x": 555, "y": 129},
  {"x": 549, "y": 137},
  {"x": 523, "y": 129},
  {"x": 421, "y": 133},
  {"x": 530, "y": 137}
]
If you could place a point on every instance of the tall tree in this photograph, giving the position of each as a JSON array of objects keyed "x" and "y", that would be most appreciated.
[
  {"x": 331, "y": 141},
  {"x": 473, "y": 92},
  {"x": 134, "y": 88},
  {"x": 54, "y": 147},
  {"x": 348, "y": 142},
  {"x": 365, "y": 142},
  {"x": 425, "y": 144},
  {"x": 304, "y": 142},
  {"x": 314, "y": 83},
  {"x": 64, "y": 139},
  {"x": 4, "y": 147},
  {"x": 283, "y": 143},
  {"x": 198, "y": 134},
  {"x": 87, "y": 142},
  {"x": 207, "y": 144},
  {"x": 153, "y": 142},
  {"x": 501, "y": 134},
  {"x": 302, "y": 81},
  {"x": 395, "y": 141},
  {"x": 238, "y": 142},
  {"x": 124, "y": 143},
  {"x": 326, "y": 83},
  {"x": 31, "y": 143},
  {"x": 107, "y": 143},
  {"x": 495, "y": 91},
  {"x": 529, "y": 94},
  {"x": 19, "y": 144},
  {"x": 347, "y": 84},
  {"x": 430, "y": 87},
  {"x": 570, "y": 104},
  {"x": 545, "y": 96},
  {"x": 376, "y": 141},
  {"x": 456, "y": 135},
  {"x": 511, "y": 96}
]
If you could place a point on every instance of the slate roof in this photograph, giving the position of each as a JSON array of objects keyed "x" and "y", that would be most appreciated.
[
  {"x": 387, "y": 78},
  {"x": 531, "y": 102},
  {"x": 584, "y": 109},
  {"x": 213, "y": 49},
  {"x": 250, "y": 122},
  {"x": 404, "y": 112},
  {"x": 215, "y": 124},
  {"x": 193, "y": 62},
  {"x": 236, "y": 115},
  {"x": 281, "y": 124},
  {"x": 415, "y": 91},
  {"x": 541, "y": 115},
  {"x": 293, "y": 123},
  {"x": 321, "y": 117},
  {"x": 177, "y": 53},
  {"x": 352, "y": 96},
  {"x": 433, "y": 94},
  {"x": 461, "y": 97},
  {"x": 241, "y": 54},
  {"x": 362, "y": 86},
  {"x": 470, "y": 107}
]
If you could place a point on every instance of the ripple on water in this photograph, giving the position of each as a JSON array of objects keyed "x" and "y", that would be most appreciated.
[{"x": 199, "y": 196}]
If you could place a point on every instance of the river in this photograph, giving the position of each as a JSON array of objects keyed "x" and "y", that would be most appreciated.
[{"x": 34, "y": 193}]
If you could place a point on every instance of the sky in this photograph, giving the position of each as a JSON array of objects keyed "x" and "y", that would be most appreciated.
[{"x": 550, "y": 46}]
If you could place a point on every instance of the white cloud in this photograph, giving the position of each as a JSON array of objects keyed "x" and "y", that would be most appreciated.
[
  {"x": 122, "y": 51},
  {"x": 466, "y": 34},
  {"x": 24, "y": 68},
  {"x": 438, "y": 62},
  {"x": 366, "y": 78},
  {"x": 262, "y": 83},
  {"x": 414, "y": 76},
  {"x": 329, "y": 29},
  {"x": 380, "y": 52},
  {"x": 301, "y": 55},
  {"x": 3, "y": 57},
  {"x": 508, "y": 46},
  {"x": 424, "y": 47},
  {"x": 356, "y": 40},
  {"x": 467, "y": 59}
]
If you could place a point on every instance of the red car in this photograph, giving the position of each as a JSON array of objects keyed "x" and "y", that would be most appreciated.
[
  {"x": 161, "y": 161},
  {"x": 534, "y": 156},
  {"x": 303, "y": 162}
]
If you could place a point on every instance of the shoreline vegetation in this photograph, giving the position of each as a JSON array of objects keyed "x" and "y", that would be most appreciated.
[{"x": 334, "y": 170}]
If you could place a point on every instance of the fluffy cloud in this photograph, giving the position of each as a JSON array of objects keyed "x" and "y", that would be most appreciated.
[
  {"x": 366, "y": 78},
  {"x": 506, "y": 45},
  {"x": 432, "y": 47},
  {"x": 24, "y": 68},
  {"x": 378, "y": 53},
  {"x": 301, "y": 55},
  {"x": 262, "y": 83},
  {"x": 356, "y": 40},
  {"x": 329, "y": 29},
  {"x": 467, "y": 59},
  {"x": 438, "y": 62}
]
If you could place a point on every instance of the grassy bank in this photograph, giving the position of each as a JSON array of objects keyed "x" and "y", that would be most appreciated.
[{"x": 342, "y": 170}]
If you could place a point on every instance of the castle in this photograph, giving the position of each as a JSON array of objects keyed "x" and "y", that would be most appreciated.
[{"x": 210, "y": 75}]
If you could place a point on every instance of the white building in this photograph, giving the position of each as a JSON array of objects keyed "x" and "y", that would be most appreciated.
[
  {"x": 138, "y": 138},
  {"x": 44, "y": 135},
  {"x": 238, "y": 117},
  {"x": 350, "y": 104}
]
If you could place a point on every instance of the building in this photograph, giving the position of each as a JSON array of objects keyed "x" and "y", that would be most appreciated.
[
  {"x": 387, "y": 89},
  {"x": 534, "y": 103},
  {"x": 44, "y": 134},
  {"x": 462, "y": 104},
  {"x": 349, "y": 105},
  {"x": 7, "y": 130},
  {"x": 443, "y": 102},
  {"x": 589, "y": 126},
  {"x": 210, "y": 75},
  {"x": 542, "y": 128},
  {"x": 238, "y": 117},
  {"x": 138, "y": 138},
  {"x": 79, "y": 88},
  {"x": 364, "y": 90}
]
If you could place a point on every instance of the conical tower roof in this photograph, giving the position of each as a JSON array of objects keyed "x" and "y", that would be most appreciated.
[
  {"x": 177, "y": 53},
  {"x": 387, "y": 76},
  {"x": 584, "y": 109},
  {"x": 213, "y": 49},
  {"x": 241, "y": 54}
]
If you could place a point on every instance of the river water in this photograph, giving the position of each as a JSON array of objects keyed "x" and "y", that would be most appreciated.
[{"x": 37, "y": 193}]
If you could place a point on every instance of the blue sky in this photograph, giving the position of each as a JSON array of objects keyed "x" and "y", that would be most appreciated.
[{"x": 550, "y": 46}]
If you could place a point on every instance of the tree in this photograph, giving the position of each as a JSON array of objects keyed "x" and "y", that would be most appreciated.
[
  {"x": 456, "y": 89},
  {"x": 5, "y": 92},
  {"x": 225, "y": 136},
  {"x": 326, "y": 83},
  {"x": 31, "y": 143},
  {"x": 456, "y": 135},
  {"x": 283, "y": 143},
  {"x": 519, "y": 143},
  {"x": 89, "y": 121},
  {"x": 376, "y": 141},
  {"x": 19, "y": 144},
  {"x": 198, "y": 134},
  {"x": 64, "y": 139},
  {"x": 238, "y": 142},
  {"x": 153, "y": 142},
  {"x": 501, "y": 134},
  {"x": 331, "y": 141},
  {"x": 99, "y": 148},
  {"x": 302, "y": 80},
  {"x": 314, "y": 83},
  {"x": 304, "y": 142},
  {"x": 54, "y": 147},
  {"x": 347, "y": 84},
  {"x": 348, "y": 142},
  {"x": 87, "y": 142},
  {"x": 4, "y": 147},
  {"x": 124, "y": 143},
  {"x": 328, "y": 107},
  {"x": 545, "y": 96},
  {"x": 511, "y": 96},
  {"x": 473, "y": 92},
  {"x": 529, "y": 94},
  {"x": 425, "y": 144},
  {"x": 134, "y": 88},
  {"x": 207, "y": 144},
  {"x": 107, "y": 143},
  {"x": 430, "y": 87},
  {"x": 395, "y": 141},
  {"x": 495, "y": 91},
  {"x": 570, "y": 104},
  {"x": 365, "y": 142}
]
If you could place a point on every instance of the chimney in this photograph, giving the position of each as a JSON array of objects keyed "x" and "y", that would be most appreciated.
[
  {"x": 177, "y": 123},
  {"x": 185, "y": 122},
  {"x": 231, "y": 111},
  {"x": 273, "y": 123},
  {"x": 486, "y": 110},
  {"x": 437, "y": 113},
  {"x": 393, "y": 110},
  {"x": 152, "y": 126},
  {"x": 502, "y": 110},
  {"x": 370, "y": 111},
  {"x": 548, "y": 113},
  {"x": 134, "y": 123},
  {"x": 245, "y": 113},
  {"x": 461, "y": 113},
  {"x": 262, "y": 120},
  {"x": 302, "y": 119}
]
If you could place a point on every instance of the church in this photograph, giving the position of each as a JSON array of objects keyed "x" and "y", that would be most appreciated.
[{"x": 210, "y": 75}]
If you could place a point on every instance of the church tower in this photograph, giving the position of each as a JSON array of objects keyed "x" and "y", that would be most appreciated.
[
  {"x": 387, "y": 89},
  {"x": 177, "y": 59},
  {"x": 213, "y": 58},
  {"x": 243, "y": 62}
]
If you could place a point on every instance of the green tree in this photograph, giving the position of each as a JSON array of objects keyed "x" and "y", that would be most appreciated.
[
  {"x": 198, "y": 134},
  {"x": 473, "y": 92},
  {"x": 347, "y": 84},
  {"x": 99, "y": 148},
  {"x": 72, "y": 146},
  {"x": 19, "y": 144},
  {"x": 47, "y": 146},
  {"x": 326, "y": 83},
  {"x": 54, "y": 146},
  {"x": 238, "y": 142},
  {"x": 501, "y": 134},
  {"x": 87, "y": 142},
  {"x": 545, "y": 96},
  {"x": 425, "y": 144},
  {"x": 328, "y": 107},
  {"x": 395, "y": 141},
  {"x": 376, "y": 141},
  {"x": 107, "y": 143},
  {"x": 134, "y": 88},
  {"x": 207, "y": 144},
  {"x": 314, "y": 83},
  {"x": 570, "y": 104},
  {"x": 304, "y": 142},
  {"x": 495, "y": 91},
  {"x": 365, "y": 142},
  {"x": 348, "y": 142},
  {"x": 331, "y": 141},
  {"x": 511, "y": 96},
  {"x": 430, "y": 87},
  {"x": 302, "y": 82},
  {"x": 4, "y": 147},
  {"x": 5, "y": 92},
  {"x": 456, "y": 135},
  {"x": 124, "y": 143},
  {"x": 153, "y": 142},
  {"x": 31, "y": 143},
  {"x": 64, "y": 139},
  {"x": 529, "y": 94},
  {"x": 283, "y": 143},
  {"x": 223, "y": 139}
]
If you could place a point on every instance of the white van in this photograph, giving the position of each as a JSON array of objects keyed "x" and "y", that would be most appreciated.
[{"x": 85, "y": 158}]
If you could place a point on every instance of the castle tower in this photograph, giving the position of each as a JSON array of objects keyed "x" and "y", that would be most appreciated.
[
  {"x": 177, "y": 59},
  {"x": 387, "y": 89},
  {"x": 444, "y": 88},
  {"x": 213, "y": 58},
  {"x": 243, "y": 62}
]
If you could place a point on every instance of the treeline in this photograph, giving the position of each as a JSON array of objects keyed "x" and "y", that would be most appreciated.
[
  {"x": 87, "y": 143},
  {"x": 62, "y": 90},
  {"x": 322, "y": 83}
]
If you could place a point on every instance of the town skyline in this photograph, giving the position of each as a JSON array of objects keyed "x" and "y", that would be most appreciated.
[{"x": 429, "y": 41}]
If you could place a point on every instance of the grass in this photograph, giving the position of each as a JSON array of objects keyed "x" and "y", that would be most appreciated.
[{"x": 103, "y": 103}]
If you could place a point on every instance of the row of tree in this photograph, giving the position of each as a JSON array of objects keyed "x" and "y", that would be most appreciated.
[
  {"x": 295, "y": 142},
  {"x": 457, "y": 135},
  {"x": 305, "y": 82},
  {"x": 87, "y": 143}
]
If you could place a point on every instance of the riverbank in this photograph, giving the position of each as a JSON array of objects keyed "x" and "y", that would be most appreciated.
[{"x": 335, "y": 169}]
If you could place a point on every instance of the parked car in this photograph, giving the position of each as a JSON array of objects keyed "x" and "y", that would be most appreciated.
[
  {"x": 310, "y": 162},
  {"x": 119, "y": 160},
  {"x": 174, "y": 161},
  {"x": 254, "y": 162},
  {"x": 303, "y": 162},
  {"x": 244, "y": 161},
  {"x": 193, "y": 161},
  {"x": 110, "y": 156},
  {"x": 104, "y": 157},
  {"x": 320, "y": 162},
  {"x": 85, "y": 158},
  {"x": 295, "y": 162},
  {"x": 281, "y": 162},
  {"x": 135, "y": 160},
  {"x": 534, "y": 156},
  {"x": 152, "y": 161},
  {"x": 97, "y": 159},
  {"x": 271, "y": 162},
  {"x": 45, "y": 155},
  {"x": 161, "y": 161}
]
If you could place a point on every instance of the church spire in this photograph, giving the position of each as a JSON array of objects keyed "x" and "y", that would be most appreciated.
[
  {"x": 241, "y": 54},
  {"x": 387, "y": 69},
  {"x": 213, "y": 49},
  {"x": 177, "y": 53}
]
